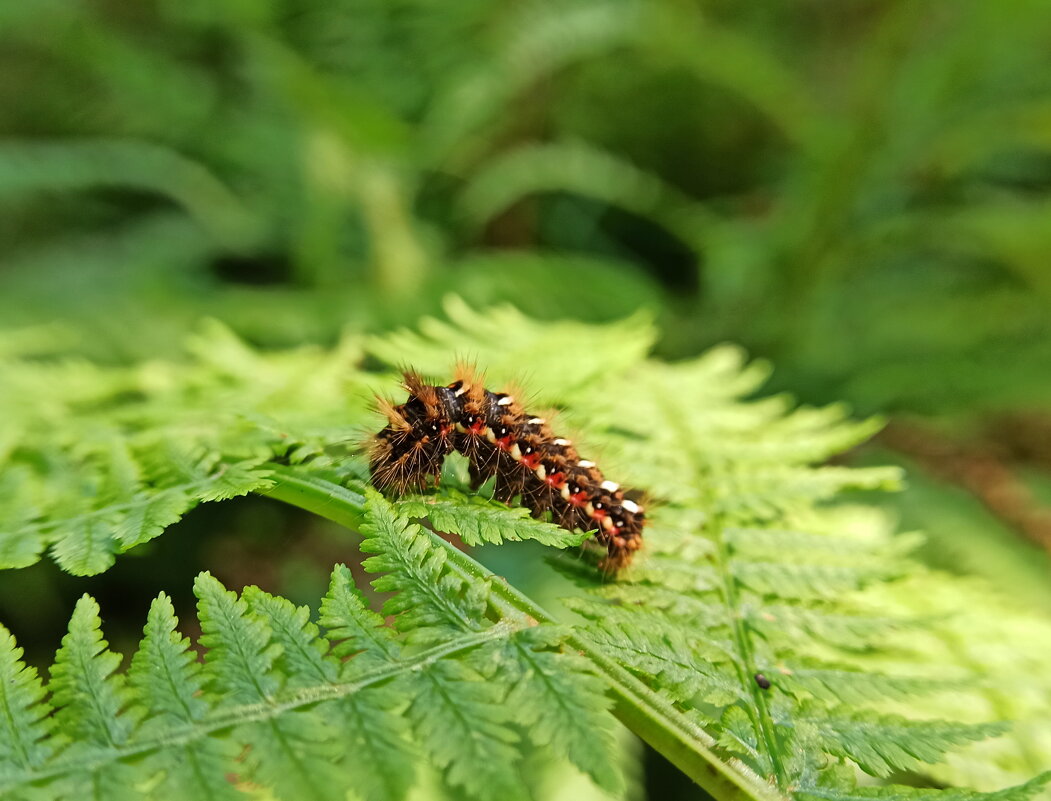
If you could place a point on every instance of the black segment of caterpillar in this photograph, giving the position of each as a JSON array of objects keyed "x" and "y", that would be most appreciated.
[{"x": 500, "y": 439}]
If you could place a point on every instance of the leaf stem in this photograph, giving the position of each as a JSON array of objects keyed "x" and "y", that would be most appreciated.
[
  {"x": 744, "y": 648},
  {"x": 654, "y": 719},
  {"x": 761, "y": 714}
]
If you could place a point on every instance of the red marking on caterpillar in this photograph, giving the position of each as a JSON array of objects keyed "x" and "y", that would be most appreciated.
[{"x": 501, "y": 440}]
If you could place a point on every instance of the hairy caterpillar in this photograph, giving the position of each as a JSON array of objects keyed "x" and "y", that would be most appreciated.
[{"x": 500, "y": 439}]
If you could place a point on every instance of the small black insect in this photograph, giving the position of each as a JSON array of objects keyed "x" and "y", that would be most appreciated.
[{"x": 762, "y": 681}]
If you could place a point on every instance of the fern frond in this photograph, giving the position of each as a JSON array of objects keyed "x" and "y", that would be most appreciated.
[
  {"x": 296, "y": 753},
  {"x": 1022, "y": 792},
  {"x": 854, "y": 687},
  {"x": 93, "y": 709},
  {"x": 882, "y": 745},
  {"x": 314, "y": 724},
  {"x": 428, "y": 596},
  {"x": 503, "y": 340},
  {"x": 164, "y": 672},
  {"x": 464, "y": 724},
  {"x": 168, "y": 681},
  {"x": 24, "y": 713},
  {"x": 562, "y": 703},
  {"x": 302, "y": 657},
  {"x": 749, "y": 466},
  {"x": 378, "y": 752},
  {"x": 353, "y": 628},
  {"x": 770, "y": 642},
  {"x": 239, "y": 645},
  {"x": 88, "y": 696},
  {"x": 683, "y": 666},
  {"x": 479, "y": 520}
]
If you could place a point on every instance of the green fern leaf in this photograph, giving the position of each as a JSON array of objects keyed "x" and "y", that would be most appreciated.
[
  {"x": 739, "y": 736},
  {"x": 20, "y": 547},
  {"x": 296, "y": 753},
  {"x": 24, "y": 716},
  {"x": 87, "y": 695},
  {"x": 164, "y": 672},
  {"x": 87, "y": 546},
  {"x": 478, "y": 520},
  {"x": 379, "y": 756},
  {"x": 1022, "y": 792},
  {"x": 766, "y": 640},
  {"x": 379, "y": 753},
  {"x": 882, "y": 745},
  {"x": 89, "y": 699},
  {"x": 562, "y": 703},
  {"x": 168, "y": 682},
  {"x": 238, "y": 645},
  {"x": 148, "y": 515},
  {"x": 354, "y": 628},
  {"x": 236, "y": 479},
  {"x": 303, "y": 653},
  {"x": 503, "y": 339},
  {"x": 856, "y": 687},
  {"x": 452, "y": 701},
  {"x": 428, "y": 596},
  {"x": 683, "y": 666},
  {"x": 462, "y": 722},
  {"x": 302, "y": 658},
  {"x": 806, "y": 581}
]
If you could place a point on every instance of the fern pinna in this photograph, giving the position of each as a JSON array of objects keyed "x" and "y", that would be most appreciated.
[{"x": 875, "y": 673}]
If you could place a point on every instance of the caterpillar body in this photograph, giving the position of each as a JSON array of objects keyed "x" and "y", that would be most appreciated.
[{"x": 500, "y": 439}]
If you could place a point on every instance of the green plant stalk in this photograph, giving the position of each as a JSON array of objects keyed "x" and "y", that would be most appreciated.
[
  {"x": 684, "y": 743},
  {"x": 764, "y": 722}
]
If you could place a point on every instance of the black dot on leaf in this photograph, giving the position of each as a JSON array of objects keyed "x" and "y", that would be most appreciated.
[{"x": 762, "y": 681}]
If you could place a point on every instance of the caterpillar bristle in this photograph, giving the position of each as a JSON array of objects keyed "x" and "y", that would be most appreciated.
[
  {"x": 419, "y": 388},
  {"x": 388, "y": 409},
  {"x": 467, "y": 374},
  {"x": 500, "y": 439}
]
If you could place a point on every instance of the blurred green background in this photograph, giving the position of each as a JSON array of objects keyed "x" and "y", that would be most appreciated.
[{"x": 858, "y": 191}]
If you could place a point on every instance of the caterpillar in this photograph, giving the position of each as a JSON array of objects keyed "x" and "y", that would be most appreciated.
[{"x": 500, "y": 439}]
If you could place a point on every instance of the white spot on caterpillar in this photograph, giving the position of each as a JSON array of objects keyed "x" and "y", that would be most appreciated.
[
  {"x": 490, "y": 435},
  {"x": 537, "y": 421},
  {"x": 563, "y": 442},
  {"x": 541, "y": 472},
  {"x": 631, "y": 506},
  {"x": 460, "y": 391},
  {"x": 516, "y": 452},
  {"x": 585, "y": 463},
  {"x": 607, "y": 523},
  {"x": 460, "y": 428},
  {"x": 589, "y": 509},
  {"x": 565, "y": 491},
  {"x": 506, "y": 400},
  {"x": 610, "y": 486}
]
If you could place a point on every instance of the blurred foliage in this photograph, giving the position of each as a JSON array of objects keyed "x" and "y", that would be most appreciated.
[{"x": 860, "y": 191}]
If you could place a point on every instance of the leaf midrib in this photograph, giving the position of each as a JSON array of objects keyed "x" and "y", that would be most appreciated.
[{"x": 643, "y": 710}]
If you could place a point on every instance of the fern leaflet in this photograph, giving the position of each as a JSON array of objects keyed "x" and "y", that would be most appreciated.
[{"x": 772, "y": 642}]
